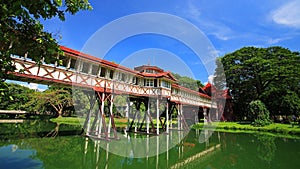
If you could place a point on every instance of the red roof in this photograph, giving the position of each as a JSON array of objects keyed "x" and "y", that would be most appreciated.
[
  {"x": 109, "y": 64},
  {"x": 112, "y": 65},
  {"x": 190, "y": 90},
  {"x": 144, "y": 67},
  {"x": 209, "y": 89},
  {"x": 167, "y": 75}
]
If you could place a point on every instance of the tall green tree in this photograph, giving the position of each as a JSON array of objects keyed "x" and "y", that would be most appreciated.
[
  {"x": 21, "y": 32},
  {"x": 266, "y": 74}
]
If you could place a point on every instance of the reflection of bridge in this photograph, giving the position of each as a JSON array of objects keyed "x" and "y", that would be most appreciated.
[
  {"x": 146, "y": 85},
  {"x": 158, "y": 153},
  {"x": 14, "y": 113}
]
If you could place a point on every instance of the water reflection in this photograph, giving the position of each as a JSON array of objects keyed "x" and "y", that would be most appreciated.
[
  {"x": 266, "y": 147},
  {"x": 32, "y": 149},
  {"x": 189, "y": 150}
]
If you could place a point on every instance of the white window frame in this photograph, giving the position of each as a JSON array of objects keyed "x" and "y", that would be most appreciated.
[
  {"x": 149, "y": 83},
  {"x": 165, "y": 84}
]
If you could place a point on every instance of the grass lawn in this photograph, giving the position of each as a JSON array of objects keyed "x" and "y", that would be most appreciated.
[
  {"x": 278, "y": 129},
  {"x": 119, "y": 122},
  {"x": 273, "y": 129}
]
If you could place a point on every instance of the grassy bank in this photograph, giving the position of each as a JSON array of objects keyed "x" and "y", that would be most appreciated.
[
  {"x": 275, "y": 128},
  {"x": 278, "y": 129},
  {"x": 68, "y": 120}
]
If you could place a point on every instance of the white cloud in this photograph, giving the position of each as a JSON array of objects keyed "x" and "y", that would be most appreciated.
[
  {"x": 212, "y": 27},
  {"x": 272, "y": 41},
  {"x": 193, "y": 11},
  {"x": 211, "y": 78},
  {"x": 288, "y": 14},
  {"x": 34, "y": 86}
]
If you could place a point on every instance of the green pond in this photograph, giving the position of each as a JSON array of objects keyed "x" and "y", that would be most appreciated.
[{"x": 42, "y": 144}]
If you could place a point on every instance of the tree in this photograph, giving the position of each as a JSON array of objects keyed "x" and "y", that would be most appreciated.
[
  {"x": 21, "y": 32},
  {"x": 54, "y": 99},
  {"x": 266, "y": 74},
  {"x": 259, "y": 114},
  {"x": 188, "y": 82},
  {"x": 18, "y": 96},
  {"x": 219, "y": 80}
]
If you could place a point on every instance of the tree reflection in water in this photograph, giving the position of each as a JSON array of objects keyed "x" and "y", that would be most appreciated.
[{"x": 266, "y": 147}]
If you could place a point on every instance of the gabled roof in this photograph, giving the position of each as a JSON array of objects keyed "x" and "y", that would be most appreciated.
[
  {"x": 167, "y": 75},
  {"x": 190, "y": 91},
  {"x": 209, "y": 89},
  {"x": 144, "y": 67}
]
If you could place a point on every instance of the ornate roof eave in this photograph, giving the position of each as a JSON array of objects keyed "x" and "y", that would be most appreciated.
[{"x": 165, "y": 75}]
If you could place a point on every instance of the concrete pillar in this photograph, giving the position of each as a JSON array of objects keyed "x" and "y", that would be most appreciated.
[
  {"x": 157, "y": 116},
  {"x": 167, "y": 117},
  {"x": 147, "y": 116},
  {"x": 205, "y": 115},
  {"x": 111, "y": 112}
]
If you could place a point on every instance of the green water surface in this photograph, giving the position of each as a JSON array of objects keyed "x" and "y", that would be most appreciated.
[{"x": 42, "y": 144}]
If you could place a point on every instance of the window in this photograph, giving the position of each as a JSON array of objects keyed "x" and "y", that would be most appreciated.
[
  {"x": 85, "y": 67},
  {"x": 111, "y": 74},
  {"x": 73, "y": 64},
  {"x": 149, "y": 71},
  {"x": 149, "y": 82},
  {"x": 134, "y": 80},
  {"x": 138, "y": 81},
  {"x": 175, "y": 91},
  {"x": 165, "y": 84},
  {"x": 63, "y": 61},
  {"x": 123, "y": 77},
  {"x": 94, "y": 69},
  {"x": 103, "y": 72}
]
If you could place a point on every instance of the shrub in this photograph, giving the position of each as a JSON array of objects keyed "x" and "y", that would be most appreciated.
[{"x": 259, "y": 114}]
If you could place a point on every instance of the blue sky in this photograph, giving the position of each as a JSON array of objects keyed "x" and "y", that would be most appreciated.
[{"x": 227, "y": 24}]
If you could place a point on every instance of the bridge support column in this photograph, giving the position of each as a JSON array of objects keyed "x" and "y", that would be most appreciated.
[
  {"x": 87, "y": 122},
  {"x": 178, "y": 117},
  {"x": 167, "y": 117},
  {"x": 147, "y": 116},
  {"x": 182, "y": 125},
  {"x": 99, "y": 128},
  {"x": 157, "y": 116},
  {"x": 128, "y": 109},
  {"x": 196, "y": 117},
  {"x": 206, "y": 115}
]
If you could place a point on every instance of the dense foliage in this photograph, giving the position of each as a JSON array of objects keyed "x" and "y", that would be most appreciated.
[
  {"x": 21, "y": 32},
  {"x": 188, "y": 82},
  {"x": 259, "y": 113},
  {"x": 18, "y": 97},
  {"x": 54, "y": 101},
  {"x": 271, "y": 75}
]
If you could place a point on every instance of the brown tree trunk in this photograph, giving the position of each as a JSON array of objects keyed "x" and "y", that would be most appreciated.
[{"x": 59, "y": 113}]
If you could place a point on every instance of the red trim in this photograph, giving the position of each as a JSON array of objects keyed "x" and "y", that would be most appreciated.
[
  {"x": 167, "y": 75},
  {"x": 106, "y": 63},
  {"x": 176, "y": 86},
  {"x": 112, "y": 65}
]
